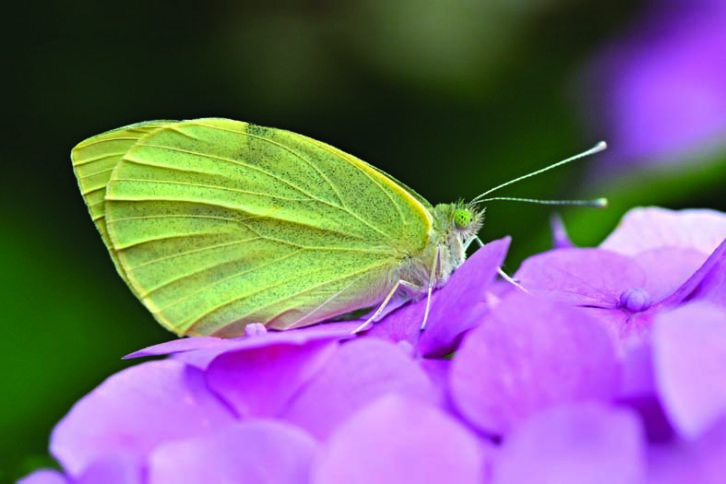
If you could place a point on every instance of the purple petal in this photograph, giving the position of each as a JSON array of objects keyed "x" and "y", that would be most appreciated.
[
  {"x": 637, "y": 379},
  {"x": 259, "y": 381},
  {"x": 584, "y": 277},
  {"x": 707, "y": 284},
  {"x": 667, "y": 269},
  {"x": 699, "y": 462},
  {"x": 643, "y": 229},
  {"x": 135, "y": 410},
  {"x": 689, "y": 349},
  {"x": 638, "y": 391},
  {"x": 578, "y": 444},
  {"x": 455, "y": 308},
  {"x": 528, "y": 355},
  {"x": 437, "y": 370},
  {"x": 403, "y": 324},
  {"x": 180, "y": 345},
  {"x": 44, "y": 476},
  {"x": 199, "y": 351},
  {"x": 116, "y": 468},
  {"x": 461, "y": 302},
  {"x": 256, "y": 451},
  {"x": 396, "y": 440},
  {"x": 560, "y": 238},
  {"x": 361, "y": 371}
]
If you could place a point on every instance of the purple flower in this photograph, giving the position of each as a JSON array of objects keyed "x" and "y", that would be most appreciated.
[
  {"x": 689, "y": 359},
  {"x": 503, "y": 387},
  {"x": 663, "y": 86},
  {"x": 655, "y": 261}
]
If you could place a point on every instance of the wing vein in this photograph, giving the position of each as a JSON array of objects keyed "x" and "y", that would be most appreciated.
[
  {"x": 307, "y": 162},
  {"x": 184, "y": 216},
  {"x": 359, "y": 273},
  {"x": 339, "y": 206},
  {"x": 194, "y": 251},
  {"x": 327, "y": 301},
  {"x": 96, "y": 173},
  {"x": 234, "y": 162},
  {"x": 370, "y": 177},
  {"x": 197, "y": 291},
  {"x": 105, "y": 156},
  {"x": 120, "y": 248},
  {"x": 211, "y": 187}
]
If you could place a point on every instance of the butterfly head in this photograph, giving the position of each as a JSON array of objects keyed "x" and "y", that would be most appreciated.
[{"x": 459, "y": 220}]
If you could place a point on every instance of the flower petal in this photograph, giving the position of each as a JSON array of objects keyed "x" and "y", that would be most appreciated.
[
  {"x": 667, "y": 269},
  {"x": 662, "y": 87},
  {"x": 199, "y": 351},
  {"x": 530, "y": 354},
  {"x": 578, "y": 444},
  {"x": 699, "y": 462},
  {"x": 118, "y": 468},
  {"x": 259, "y": 380},
  {"x": 360, "y": 371},
  {"x": 643, "y": 229},
  {"x": 638, "y": 390},
  {"x": 462, "y": 302},
  {"x": 255, "y": 451},
  {"x": 180, "y": 345},
  {"x": 395, "y": 440},
  {"x": 560, "y": 237},
  {"x": 585, "y": 277},
  {"x": 135, "y": 410},
  {"x": 707, "y": 284},
  {"x": 437, "y": 370},
  {"x": 44, "y": 476},
  {"x": 689, "y": 349}
]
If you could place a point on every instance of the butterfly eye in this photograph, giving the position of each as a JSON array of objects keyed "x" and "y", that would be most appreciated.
[{"x": 462, "y": 218}]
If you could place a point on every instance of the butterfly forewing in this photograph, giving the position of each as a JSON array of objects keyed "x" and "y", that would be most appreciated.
[{"x": 218, "y": 222}]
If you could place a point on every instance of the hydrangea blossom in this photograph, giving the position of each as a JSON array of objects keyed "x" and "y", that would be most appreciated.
[
  {"x": 606, "y": 366},
  {"x": 639, "y": 270},
  {"x": 662, "y": 86}
]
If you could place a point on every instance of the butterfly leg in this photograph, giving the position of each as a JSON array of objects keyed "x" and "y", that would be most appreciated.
[
  {"x": 385, "y": 303},
  {"x": 503, "y": 274},
  {"x": 511, "y": 280},
  {"x": 430, "y": 288}
]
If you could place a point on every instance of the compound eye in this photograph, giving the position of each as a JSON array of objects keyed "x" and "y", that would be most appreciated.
[{"x": 462, "y": 218}]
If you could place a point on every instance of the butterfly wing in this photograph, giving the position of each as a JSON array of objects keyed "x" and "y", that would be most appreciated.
[
  {"x": 218, "y": 223},
  {"x": 93, "y": 161}
]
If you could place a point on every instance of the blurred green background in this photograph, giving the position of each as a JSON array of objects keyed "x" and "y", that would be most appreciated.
[{"x": 451, "y": 97}]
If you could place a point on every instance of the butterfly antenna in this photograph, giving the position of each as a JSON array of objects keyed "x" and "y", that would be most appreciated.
[
  {"x": 600, "y": 202},
  {"x": 595, "y": 203}
]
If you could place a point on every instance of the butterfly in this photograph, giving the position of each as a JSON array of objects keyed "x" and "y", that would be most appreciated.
[{"x": 215, "y": 224}]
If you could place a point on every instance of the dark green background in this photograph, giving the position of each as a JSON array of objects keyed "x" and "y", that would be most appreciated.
[{"x": 451, "y": 97}]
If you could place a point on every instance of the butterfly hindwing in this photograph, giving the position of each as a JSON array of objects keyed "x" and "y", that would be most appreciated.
[{"x": 93, "y": 162}]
